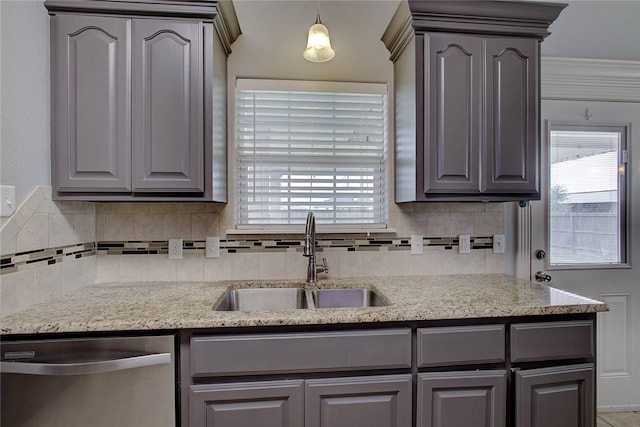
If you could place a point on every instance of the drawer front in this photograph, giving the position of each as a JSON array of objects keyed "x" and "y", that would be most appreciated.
[
  {"x": 460, "y": 345},
  {"x": 551, "y": 341},
  {"x": 256, "y": 354}
]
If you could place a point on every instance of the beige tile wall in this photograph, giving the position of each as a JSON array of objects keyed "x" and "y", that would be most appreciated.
[
  {"x": 43, "y": 223},
  {"x": 148, "y": 221},
  {"x": 39, "y": 223}
]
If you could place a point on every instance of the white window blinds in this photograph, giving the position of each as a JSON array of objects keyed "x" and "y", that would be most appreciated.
[{"x": 319, "y": 150}]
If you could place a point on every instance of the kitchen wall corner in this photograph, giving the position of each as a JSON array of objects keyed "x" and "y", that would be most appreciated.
[{"x": 47, "y": 250}]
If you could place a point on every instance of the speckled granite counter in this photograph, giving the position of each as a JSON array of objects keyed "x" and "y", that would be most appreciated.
[{"x": 186, "y": 305}]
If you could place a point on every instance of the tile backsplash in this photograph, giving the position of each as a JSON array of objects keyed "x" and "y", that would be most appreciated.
[
  {"x": 47, "y": 250},
  {"x": 51, "y": 247}
]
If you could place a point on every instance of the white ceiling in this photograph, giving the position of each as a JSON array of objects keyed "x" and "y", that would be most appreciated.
[{"x": 605, "y": 29}]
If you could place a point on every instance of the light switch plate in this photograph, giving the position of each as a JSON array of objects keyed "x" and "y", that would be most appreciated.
[
  {"x": 417, "y": 244},
  {"x": 213, "y": 247},
  {"x": 464, "y": 242},
  {"x": 498, "y": 243},
  {"x": 7, "y": 200},
  {"x": 175, "y": 248}
]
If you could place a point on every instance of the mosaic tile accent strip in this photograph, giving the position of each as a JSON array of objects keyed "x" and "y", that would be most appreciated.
[
  {"x": 48, "y": 256},
  {"x": 161, "y": 247}
]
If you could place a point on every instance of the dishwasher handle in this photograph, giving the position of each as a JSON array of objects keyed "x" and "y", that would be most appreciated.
[{"x": 84, "y": 368}]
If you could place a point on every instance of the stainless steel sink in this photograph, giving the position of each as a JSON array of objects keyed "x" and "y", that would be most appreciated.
[
  {"x": 249, "y": 299},
  {"x": 252, "y": 299},
  {"x": 344, "y": 298}
]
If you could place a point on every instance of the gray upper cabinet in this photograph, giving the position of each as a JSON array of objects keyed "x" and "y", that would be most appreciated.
[
  {"x": 168, "y": 149},
  {"x": 511, "y": 104},
  {"x": 92, "y": 97},
  {"x": 139, "y": 99},
  {"x": 452, "y": 66},
  {"x": 467, "y": 99}
]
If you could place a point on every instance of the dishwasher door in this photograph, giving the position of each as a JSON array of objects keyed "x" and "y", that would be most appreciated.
[{"x": 98, "y": 382}]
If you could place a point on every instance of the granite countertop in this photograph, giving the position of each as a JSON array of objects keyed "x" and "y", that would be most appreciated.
[{"x": 187, "y": 305}]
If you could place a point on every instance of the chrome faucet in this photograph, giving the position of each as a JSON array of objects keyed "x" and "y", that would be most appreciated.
[{"x": 310, "y": 251}]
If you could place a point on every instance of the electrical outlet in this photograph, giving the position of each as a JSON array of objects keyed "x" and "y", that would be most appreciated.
[
  {"x": 464, "y": 242},
  {"x": 417, "y": 244},
  {"x": 498, "y": 243},
  {"x": 175, "y": 248},
  {"x": 213, "y": 247}
]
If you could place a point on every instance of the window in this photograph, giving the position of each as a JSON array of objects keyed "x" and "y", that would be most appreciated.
[
  {"x": 587, "y": 197},
  {"x": 316, "y": 146}
]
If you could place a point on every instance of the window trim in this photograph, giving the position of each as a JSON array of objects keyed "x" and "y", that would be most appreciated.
[
  {"x": 624, "y": 208},
  {"x": 320, "y": 86}
]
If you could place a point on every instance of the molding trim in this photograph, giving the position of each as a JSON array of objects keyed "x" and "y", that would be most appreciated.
[
  {"x": 590, "y": 79},
  {"x": 523, "y": 242}
]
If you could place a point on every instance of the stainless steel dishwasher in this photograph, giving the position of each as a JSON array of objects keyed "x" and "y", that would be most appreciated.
[{"x": 121, "y": 381}]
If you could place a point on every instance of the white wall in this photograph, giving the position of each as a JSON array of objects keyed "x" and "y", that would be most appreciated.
[
  {"x": 602, "y": 29},
  {"x": 24, "y": 91}
]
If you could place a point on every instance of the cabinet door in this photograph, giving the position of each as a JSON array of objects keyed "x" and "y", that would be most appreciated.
[
  {"x": 380, "y": 401},
  {"x": 91, "y": 146},
  {"x": 168, "y": 117},
  {"x": 453, "y": 67},
  {"x": 555, "y": 397},
  {"x": 462, "y": 399},
  {"x": 512, "y": 143},
  {"x": 265, "y": 404}
]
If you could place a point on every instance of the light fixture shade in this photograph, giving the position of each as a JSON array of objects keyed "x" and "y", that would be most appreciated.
[{"x": 318, "y": 44}]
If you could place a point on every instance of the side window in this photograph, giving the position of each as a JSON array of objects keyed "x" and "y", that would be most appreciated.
[
  {"x": 304, "y": 146},
  {"x": 588, "y": 195}
]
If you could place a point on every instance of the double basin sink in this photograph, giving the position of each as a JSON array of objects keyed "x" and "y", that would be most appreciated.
[{"x": 250, "y": 299}]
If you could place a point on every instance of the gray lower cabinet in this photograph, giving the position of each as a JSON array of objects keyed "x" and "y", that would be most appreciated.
[
  {"x": 555, "y": 397},
  {"x": 327, "y": 391},
  {"x": 139, "y": 100},
  {"x": 462, "y": 399},
  {"x": 530, "y": 372},
  {"x": 377, "y": 401},
  {"x": 250, "y": 404}
]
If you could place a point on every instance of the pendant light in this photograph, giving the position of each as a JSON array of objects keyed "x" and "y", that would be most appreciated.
[{"x": 318, "y": 43}]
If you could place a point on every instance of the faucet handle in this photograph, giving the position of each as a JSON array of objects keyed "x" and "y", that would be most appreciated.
[{"x": 323, "y": 268}]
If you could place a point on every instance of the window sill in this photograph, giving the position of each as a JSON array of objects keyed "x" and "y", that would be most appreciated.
[{"x": 319, "y": 230}]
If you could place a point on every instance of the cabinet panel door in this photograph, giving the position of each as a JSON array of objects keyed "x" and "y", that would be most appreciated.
[
  {"x": 512, "y": 141},
  {"x": 92, "y": 96},
  {"x": 462, "y": 399},
  {"x": 452, "y": 113},
  {"x": 168, "y": 141},
  {"x": 265, "y": 404},
  {"x": 381, "y": 401},
  {"x": 555, "y": 397}
]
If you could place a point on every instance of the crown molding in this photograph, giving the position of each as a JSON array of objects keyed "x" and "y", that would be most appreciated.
[{"x": 590, "y": 79}]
